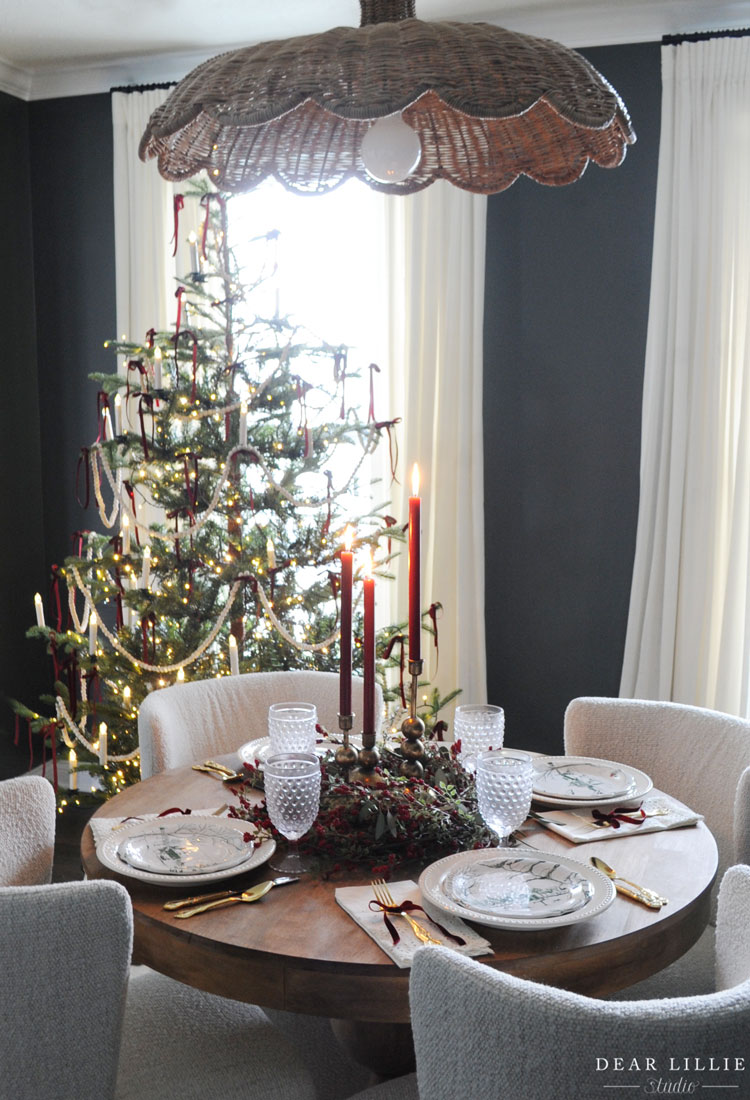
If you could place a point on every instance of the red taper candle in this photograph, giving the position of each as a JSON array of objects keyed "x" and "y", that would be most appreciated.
[
  {"x": 368, "y": 707},
  {"x": 345, "y": 661},
  {"x": 415, "y": 601}
]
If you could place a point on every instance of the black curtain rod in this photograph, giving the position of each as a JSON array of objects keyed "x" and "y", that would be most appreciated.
[
  {"x": 143, "y": 87},
  {"x": 703, "y": 36}
]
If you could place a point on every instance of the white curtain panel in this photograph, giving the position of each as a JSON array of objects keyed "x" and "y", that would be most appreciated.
[
  {"x": 143, "y": 222},
  {"x": 435, "y": 248},
  {"x": 688, "y": 629}
]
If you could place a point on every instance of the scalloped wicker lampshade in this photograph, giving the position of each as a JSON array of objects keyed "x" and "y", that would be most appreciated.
[{"x": 487, "y": 104}]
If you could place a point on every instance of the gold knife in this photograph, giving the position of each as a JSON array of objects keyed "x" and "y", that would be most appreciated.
[{"x": 199, "y": 898}]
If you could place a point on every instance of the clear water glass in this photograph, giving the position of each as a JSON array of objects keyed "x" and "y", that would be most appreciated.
[
  {"x": 479, "y": 727},
  {"x": 504, "y": 780},
  {"x": 291, "y": 727},
  {"x": 292, "y": 789}
]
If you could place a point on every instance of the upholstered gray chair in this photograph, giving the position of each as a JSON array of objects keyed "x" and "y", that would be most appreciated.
[
  {"x": 702, "y": 757},
  {"x": 27, "y": 831},
  {"x": 64, "y": 1017},
  {"x": 481, "y": 1034},
  {"x": 186, "y": 723}
]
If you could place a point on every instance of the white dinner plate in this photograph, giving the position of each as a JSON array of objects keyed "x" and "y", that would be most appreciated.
[
  {"x": 437, "y": 881},
  {"x": 577, "y": 777},
  {"x": 518, "y": 886},
  {"x": 641, "y": 784},
  {"x": 259, "y": 749},
  {"x": 166, "y": 835}
]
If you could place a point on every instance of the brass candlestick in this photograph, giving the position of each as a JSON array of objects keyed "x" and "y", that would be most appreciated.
[
  {"x": 346, "y": 756},
  {"x": 368, "y": 758},
  {"x": 412, "y": 728}
]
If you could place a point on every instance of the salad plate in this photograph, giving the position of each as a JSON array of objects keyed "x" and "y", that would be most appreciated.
[
  {"x": 259, "y": 750},
  {"x": 585, "y": 782}
]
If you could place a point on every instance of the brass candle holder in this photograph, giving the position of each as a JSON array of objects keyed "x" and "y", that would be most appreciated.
[
  {"x": 346, "y": 756},
  {"x": 412, "y": 728}
]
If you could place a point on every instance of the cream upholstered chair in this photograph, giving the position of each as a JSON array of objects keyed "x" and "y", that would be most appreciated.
[
  {"x": 27, "y": 831},
  {"x": 186, "y": 723},
  {"x": 64, "y": 1017},
  {"x": 701, "y": 757},
  {"x": 481, "y": 1034}
]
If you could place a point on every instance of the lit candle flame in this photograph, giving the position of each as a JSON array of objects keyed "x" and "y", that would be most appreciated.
[
  {"x": 368, "y": 565},
  {"x": 348, "y": 538},
  {"x": 415, "y": 481}
]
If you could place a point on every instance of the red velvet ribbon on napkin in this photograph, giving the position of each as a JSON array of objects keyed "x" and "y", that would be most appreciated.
[
  {"x": 619, "y": 814},
  {"x": 407, "y": 907}
]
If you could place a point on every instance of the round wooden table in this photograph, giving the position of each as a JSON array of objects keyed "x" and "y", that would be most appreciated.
[{"x": 298, "y": 950}]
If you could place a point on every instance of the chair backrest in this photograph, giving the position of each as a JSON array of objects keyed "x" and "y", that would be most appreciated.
[
  {"x": 186, "y": 723},
  {"x": 27, "y": 830},
  {"x": 697, "y": 755},
  {"x": 65, "y": 951},
  {"x": 481, "y": 1034}
]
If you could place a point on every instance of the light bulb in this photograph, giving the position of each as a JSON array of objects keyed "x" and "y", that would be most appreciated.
[{"x": 390, "y": 150}]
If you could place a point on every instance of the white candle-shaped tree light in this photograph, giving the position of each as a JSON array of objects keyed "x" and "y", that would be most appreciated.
[{"x": 39, "y": 608}]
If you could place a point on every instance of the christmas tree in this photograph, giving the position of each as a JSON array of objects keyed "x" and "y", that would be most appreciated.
[{"x": 212, "y": 474}]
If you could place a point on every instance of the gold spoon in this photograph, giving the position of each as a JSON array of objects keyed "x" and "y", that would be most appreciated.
[
  {"x": 630, "y": 889},
  {"x": 254, "y": 893}
]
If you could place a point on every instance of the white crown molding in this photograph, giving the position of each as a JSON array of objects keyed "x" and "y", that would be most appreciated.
[
  {"x": 578, "y": 24},
  {"x": 15, "y": 81}
]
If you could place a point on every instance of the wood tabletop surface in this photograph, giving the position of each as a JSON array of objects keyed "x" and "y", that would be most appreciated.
[{"x": 298, "y": 950}]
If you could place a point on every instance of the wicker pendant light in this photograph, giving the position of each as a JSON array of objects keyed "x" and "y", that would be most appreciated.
[{"x": 487, "y": 105}]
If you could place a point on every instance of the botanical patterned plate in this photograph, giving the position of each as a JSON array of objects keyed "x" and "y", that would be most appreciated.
[
  {"x": 578, "y": 777},
  {"x": 437, "y": 881},
  {"x": 260, "y": 748},
  {"x": 175, "y": 833},
  {"x": 641, "y": 784},
  {"x": 184, "y": 847},
  {"x": 518, "y": 886}
]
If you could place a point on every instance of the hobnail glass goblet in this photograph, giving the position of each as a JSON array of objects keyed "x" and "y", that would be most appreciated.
[
  {"x": 504, "y": 781},
  {"x": 292, "y": 788},
  {"x": 479, "y": 727},
  {"x": 291, "y": 727}
]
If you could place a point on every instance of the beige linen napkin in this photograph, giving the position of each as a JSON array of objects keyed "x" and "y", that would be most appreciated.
[
  {"x": 355, "y": 900},
  {"x": 578, "y": 825}
]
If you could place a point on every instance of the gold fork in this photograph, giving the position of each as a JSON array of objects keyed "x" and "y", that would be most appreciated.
[{"x": 384, "y": 896}]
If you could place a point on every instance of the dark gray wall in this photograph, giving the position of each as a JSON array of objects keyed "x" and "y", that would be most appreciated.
[
  {"x": 568, "y": 275},
  {"x": 57, "y": 291},
  {"x": 73, "y": 210},
  {"x": 22, "y": 570}
]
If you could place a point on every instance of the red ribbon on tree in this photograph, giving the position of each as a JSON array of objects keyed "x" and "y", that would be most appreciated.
[
  {"x": 149, "y": 620},
  {"x": 131, "y": 496},
  {"x": 150, "y": 334},
  {"x": 389, "y": 426},
  {"x": 433, "y": 613},
  {"x": 134, "y": 365},
  {"x": 205, "y": 202},
  {"x": 178, "y": 204},
  {"x": 397, "y": 639},
  {"x": 55, "y": 593},
  {"x": 191, "y": 483},
  {"x": 147, "y": 400},
  {"x": 102, "y": 403},
  {"x": 371, "y": 411},
  {"x": 389, "y": 521},
  {"x": 83, "y": 458}
]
